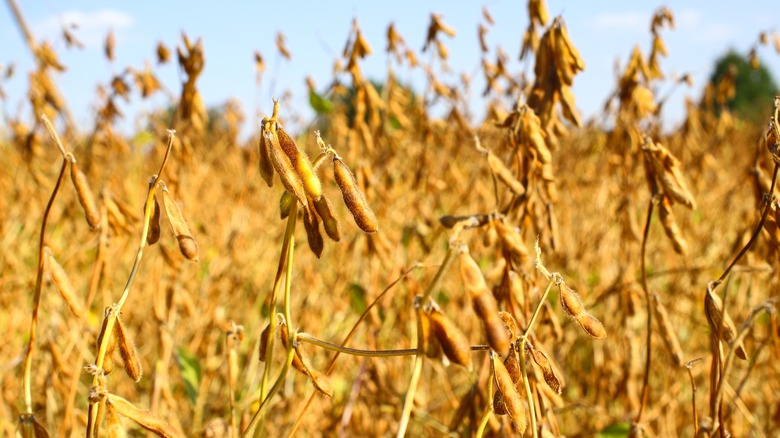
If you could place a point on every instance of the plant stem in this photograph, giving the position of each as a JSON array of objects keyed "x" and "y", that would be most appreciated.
[
  {"x": 289, "y": 233},
  {"x": 649, "y": 349},
  {"x": 38, "y": 291},
  {"x": 489, "y": 409},
  {"x": 250, "y": 430}
]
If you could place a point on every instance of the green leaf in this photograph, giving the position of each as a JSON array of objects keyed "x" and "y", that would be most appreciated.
[
  {"x": 190, "y": 371},
  {"x": 615, "y": 430},
  {"x": 357, "y": 298},
  {"x": 320, "y": 104}
]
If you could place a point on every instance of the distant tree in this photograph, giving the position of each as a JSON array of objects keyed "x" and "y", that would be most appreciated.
[{"x": 755, "y": 88}]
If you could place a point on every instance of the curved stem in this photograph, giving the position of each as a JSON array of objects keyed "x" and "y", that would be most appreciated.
[
  {"x": 351, "y": 333},
  {"x": 756, "y": 232},
  {"x": 649, "y": 351},
  {"x": 38, "y": 290},
  {"x": 250, "y": 430},
  {"x": 746, "y": 326},
  {"x": 289, "y": 233}
]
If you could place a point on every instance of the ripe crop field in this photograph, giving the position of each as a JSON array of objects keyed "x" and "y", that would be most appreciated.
[{"x": 391, "y": 269}]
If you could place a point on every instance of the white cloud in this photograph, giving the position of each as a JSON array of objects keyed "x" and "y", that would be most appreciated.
[
  {"x": 622, "y": 21},
  {"x": 91, "y": 27}
]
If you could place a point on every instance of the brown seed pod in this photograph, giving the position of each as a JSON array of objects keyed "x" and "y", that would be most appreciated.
[
  {"x": 301, "y": 164},
  {"x": 511, "y": 240},
  {"x": 353, "y": 197},
  {"x": 285, "y": 204},
  {"x": 453, "y": 342},
  {"x": 108, "y": 359},
  {"x": 301, "y": 363},
  {"x": 430, "y": 345},
  {"x": 264, "y": 342},
  {"x": 591, "y": 325},
  {"x": 29, "y": 426},
  {"x": 329, "y": 221},
  {"x": 155, "y": 224},
  {"x": 84, "y": 193},
  {"x": 543, "y": 362},
  {"x": 311, "y": 224},
  {"x": 187, "y": 244},
  {"x": 512, "y": 400},
  {"x": 667, "y": 331},
  {"x": 504, "y": 174},
  {"x": 571, "y": 303},
  {"x": 144, "y": 419},
  {"x": 670, "y": 226},
  {"x": 264, "y": 151},
  {"x": 281, "y": 163},
  {"x": 114, "y": 426},
  {"x": 127, "y": 351},
  {"x": 484, "y": 303},
  {"x": 62, "y": 283},
  {"x": 722, "y": 323},
  {"x": 511, "y": 326}
]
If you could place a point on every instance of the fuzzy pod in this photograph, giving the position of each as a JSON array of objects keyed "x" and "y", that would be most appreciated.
[
  {"x": 353, "y": 198},
  {"x": 145, "y": 419},
  {"x": 265, "y": 165},
  {"x": 300, "y": 162},
  {"x": 591, "y": 325},
  {"x": 453, "y": 342},
  {"x": 721, "y": 323},
  {"x": 311, "y": 224},
  {"x": 127, "y": 351},
  {"x": 114, "y": 426},
  {"x": 285, "y": 204},
  {"x": 281, "y": 163},
  {"x": 513, "y": 402},
  {"x": 187, "y": 244},
  {"x": 667, "y": 331},
  {"x": 329, "y": 221},
  {"x": 62, "y": 283},
  {"x": 155, "y": 224},
  {"x": 84, "y": 193},
  {"x": 504, "y": 174},
  {"x": 264, "y": 336},
  {"x": 571, "y": 303}
]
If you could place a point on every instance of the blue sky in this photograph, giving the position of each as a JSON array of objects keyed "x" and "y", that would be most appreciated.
[{"x": 604, "y": 31}]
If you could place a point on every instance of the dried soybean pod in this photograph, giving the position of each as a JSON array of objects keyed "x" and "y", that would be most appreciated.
[
  {"x": 453, "y": 342},
  {"x": 114, "y": 426},
  {"x": 511, "y": 240},
  {"x": 155, "y": 224},
  {"x": 187, "y": 244},
  {"x": 263, "y": 342},
  {"x": 144, "y": 419},
  {"x": 543, "y": 362},
  {"x": 504, "y": 175},
  {"x": 264, "y": 151},
  {"x": 297, "y": 362},
  {"x": 127, "y": 351},
  {"x": 329, "y": 221},
  {"x": 285, "y": 204},
  {"x": 84, "y": 193},
  {"x": 301, "y": 164},
  {"x": 484, "y": 303},
  {"x": 670, "y": 226},
  {"x": 571, "y": 303},
  {"x": 108, "y": 360},
  {"x": 311, "y": 224},
  {"x": 62, "y": 283},
  {"x": 353, "y": 197},
  {"x": 667, "y": 331},
  {"x": 722, "y": 323},
  {"x": 512, "y": 400},
  {"x": 591, "y": 325},
  {"x": 429, "y": 343},
  {"x": 282, "y": 165}
]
